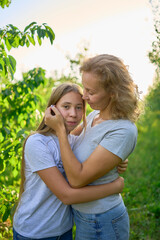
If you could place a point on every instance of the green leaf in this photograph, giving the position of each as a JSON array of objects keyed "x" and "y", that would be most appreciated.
[
  {"x": 8, "y": 44},
  {"x": 7, "y": 92},
  {"x": 13, "y": 27},
  {"x": 43, "y": 32},
  {"x": 16, "y": 42},
  {"x": 1, "y": 137},
  {"x": 7, "y": 130},
  {"x": 27, "y": 43},
  {"x": 39, "y": 40},
  {"x": 4, "y": 3},
  {"x": 50, "y": 37},
  {"x": 20, "y": 133},
  {"x": 30, "y": 25},
  {"x": 12, "y": 62},
  {"x": 39, "y": 32},
  {"x": 2, "y": 165},
  {"x": 22, "y": 40},
  {"x": 6, "y": 60},
  {"x": 2, "y": 67},
  {"x": 11, "y": 72},
  {"x": 31, "y": 39},
  {"x": 6, "y": 215},
  {"x": 3, "y": 72},
  {"x": 46, "y": 34},
  {"x": 51, "y": 31}
]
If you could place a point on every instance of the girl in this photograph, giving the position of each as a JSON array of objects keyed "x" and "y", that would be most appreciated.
[{"x": 43, "y": 211}]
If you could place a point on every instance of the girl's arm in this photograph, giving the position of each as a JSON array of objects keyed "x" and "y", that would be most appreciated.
[
  {"x": 80, "y": 174},
  {"x": 121, "y": 168},
  {"x": 68, "y": 195}
]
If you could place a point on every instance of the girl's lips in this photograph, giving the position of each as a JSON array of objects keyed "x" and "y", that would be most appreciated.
[{"x": 71, "y": 123}]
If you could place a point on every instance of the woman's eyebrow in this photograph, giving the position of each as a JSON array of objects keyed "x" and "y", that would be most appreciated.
[{"x": 90, "y": 89}]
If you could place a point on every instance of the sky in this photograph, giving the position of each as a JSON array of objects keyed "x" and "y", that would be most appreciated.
[{"x": 123, "y": 28}]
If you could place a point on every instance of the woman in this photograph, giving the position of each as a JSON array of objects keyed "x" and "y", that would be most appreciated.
[
  {"x": 110, "y": 137},
  {"x": 43, "y": 211}
]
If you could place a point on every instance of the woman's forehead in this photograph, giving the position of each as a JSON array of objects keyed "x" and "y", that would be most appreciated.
[{"x": 90, "y": 81}]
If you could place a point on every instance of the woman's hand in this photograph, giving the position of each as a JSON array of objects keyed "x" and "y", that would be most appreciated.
[
  {"x": 55, "y": 121},
  {"x": 122, "y": 167},
  {"x": 119, "y": 184}
]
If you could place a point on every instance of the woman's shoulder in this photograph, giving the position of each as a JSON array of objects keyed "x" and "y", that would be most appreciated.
[
  {"x": 92, "y": 114},
  {"x": 72, "y": 139},
  {"x": 128, "y": 124},
  {"x": 128, "y": 127}
]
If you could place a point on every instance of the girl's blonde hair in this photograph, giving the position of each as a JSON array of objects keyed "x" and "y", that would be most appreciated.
[
  {"x": 56, "y": 95},
  {"x": 114, "y": 77}
]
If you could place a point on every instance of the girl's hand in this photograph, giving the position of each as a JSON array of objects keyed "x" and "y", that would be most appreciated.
[
  {"x": 54, "y": 119},
  {"x": 122, "y": 167}
]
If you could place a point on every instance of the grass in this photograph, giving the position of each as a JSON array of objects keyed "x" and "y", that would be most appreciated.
[{"x": 142, "y": 188}]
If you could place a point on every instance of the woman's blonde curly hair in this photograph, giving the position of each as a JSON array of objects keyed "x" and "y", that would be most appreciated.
[{"x": 114, "y": 77}]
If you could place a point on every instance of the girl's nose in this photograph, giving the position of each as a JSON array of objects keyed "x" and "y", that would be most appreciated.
[{"x": 73, "y": 112}]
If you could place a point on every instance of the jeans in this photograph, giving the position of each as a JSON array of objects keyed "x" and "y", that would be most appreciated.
[
  {"x": 110, "y": 225},
  {"x": 65, "y": 236}
]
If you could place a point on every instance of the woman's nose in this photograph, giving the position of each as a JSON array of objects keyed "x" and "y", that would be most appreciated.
[{"x": 85, "y": 96}]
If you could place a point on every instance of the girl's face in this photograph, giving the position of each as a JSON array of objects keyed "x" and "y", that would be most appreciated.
[
  {"x": 71, "y": 108},
  {"x": 93, "y": 92}
]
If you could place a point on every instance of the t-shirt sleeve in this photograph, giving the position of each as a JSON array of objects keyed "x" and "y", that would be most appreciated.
[
  {"x": 91, "y": 115},
  {"x": 120, "y": 142},
  {"x": 72, "y": 140},
  {"x": 37, "y": 154}
]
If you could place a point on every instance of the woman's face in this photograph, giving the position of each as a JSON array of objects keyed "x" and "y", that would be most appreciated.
[
  {"x": 93, "y": 92},
  {"x": 71, "y": 108}
]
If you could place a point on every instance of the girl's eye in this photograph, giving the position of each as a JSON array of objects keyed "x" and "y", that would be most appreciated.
[
  {"x": 79, "y": 107},
  {"x": 66, "y": 107}
]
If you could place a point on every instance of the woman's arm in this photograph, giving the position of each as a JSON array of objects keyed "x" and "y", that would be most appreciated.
[
  {"x": 77, "y": 131},
  {"x": 100, "y": 162},
  {"x": 68, "y": 195},
  {"x": 79, "y": 174}
]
